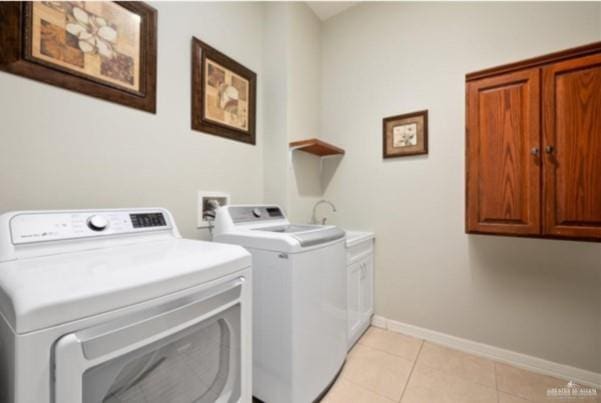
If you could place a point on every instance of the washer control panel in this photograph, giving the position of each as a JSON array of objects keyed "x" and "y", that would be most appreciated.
[
  {"x": 53, "y": 226},
  {"x": 241, "y": 214}
]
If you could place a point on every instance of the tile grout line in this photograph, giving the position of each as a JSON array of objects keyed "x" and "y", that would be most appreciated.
[
  {"x": 494, "y": 368},
  {"x": 421, "y": 346},
  {"x": 380, "y": 350},
  {"x": 512, "y": 393},
  {"x": 532, "y": 364},
  {"x": 386, "y": 352},
  {"x": 493, "y": 387},
  {"x": 367, "y": 389},
  {"x": 465, "y": 379},
  {"x": 392, "y": 355},
  {"x": 494, "y": 362}
]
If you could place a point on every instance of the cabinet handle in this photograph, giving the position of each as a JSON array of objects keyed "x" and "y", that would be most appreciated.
[
  {"x": 535, "y": 151},
  {"x": 549, "y": 149}
]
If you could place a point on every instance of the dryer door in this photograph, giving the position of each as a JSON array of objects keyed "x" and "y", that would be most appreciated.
[{"x": 188, "y": 350}]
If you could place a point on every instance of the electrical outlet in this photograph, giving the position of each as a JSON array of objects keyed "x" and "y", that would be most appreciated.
[{"x": 205, "y": 207}]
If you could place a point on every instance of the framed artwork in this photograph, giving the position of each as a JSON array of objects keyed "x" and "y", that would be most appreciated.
[
  {"x": 106, "y": 49},
  {"x": 405, "y": 134},
  {"x": 223, "y": 95}
]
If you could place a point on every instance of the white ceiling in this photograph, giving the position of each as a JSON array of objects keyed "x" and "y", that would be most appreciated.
[{"x": 327, "y": 9}]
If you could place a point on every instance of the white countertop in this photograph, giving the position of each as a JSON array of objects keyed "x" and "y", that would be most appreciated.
[{"x": 356, "y": 237}]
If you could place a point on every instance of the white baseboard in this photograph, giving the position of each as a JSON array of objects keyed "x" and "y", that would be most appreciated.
[
  {"x": 379, "y": 321},
  {"x": 534, "y": 364}
]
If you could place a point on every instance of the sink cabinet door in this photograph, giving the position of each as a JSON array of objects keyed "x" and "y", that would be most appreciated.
[
  {"x": 355, "y": 273},
  {"x": 360, "y": 297},
  {"x": 366, "y": 295}
]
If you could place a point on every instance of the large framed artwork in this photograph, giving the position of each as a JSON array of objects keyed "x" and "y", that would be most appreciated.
[
  {"x": 223, "y": 95},
  {"x": 105, "y": 49},
  {"x": 406, "y": 134}
]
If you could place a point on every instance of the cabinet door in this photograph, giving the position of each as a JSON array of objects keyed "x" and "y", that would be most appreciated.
[
  {"x": 367, "y": 289},
  {"x": 572, "y": 141},
  {"x": 355, "y": 271},
  {"x": 503, "y": 154}
]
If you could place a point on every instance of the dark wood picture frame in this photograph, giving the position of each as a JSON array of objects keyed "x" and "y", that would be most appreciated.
[
  {"x": 200, "y": 52},
  {"x": 386, "y": 153},
  {"x": 16, "y": 57}
]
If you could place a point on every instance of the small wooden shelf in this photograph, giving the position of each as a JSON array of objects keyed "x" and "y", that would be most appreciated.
[{"x": 317, "y": 147}]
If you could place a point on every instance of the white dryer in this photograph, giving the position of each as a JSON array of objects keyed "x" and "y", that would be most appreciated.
[
  {"x": 299, "y": 301},
  {"x": 113, "y": 306}
]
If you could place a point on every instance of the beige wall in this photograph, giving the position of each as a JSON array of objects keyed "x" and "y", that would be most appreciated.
[
  {"x": 538, "y": 297},
  {"x": 275, "y": 84},
  {"x": 293, "y": 59},
  {"x": 304, "y": 94},
  {"x": 72, "y": 151}
]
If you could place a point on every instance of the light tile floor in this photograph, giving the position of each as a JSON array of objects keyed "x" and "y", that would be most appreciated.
[{"x": 385, "y": 367}]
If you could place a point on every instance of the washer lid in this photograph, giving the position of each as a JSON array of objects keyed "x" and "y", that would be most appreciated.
[
  {"x": 277, "y": 241},
  {"x": 40, "y": 292},
  {"x": 308, "y": 235}
]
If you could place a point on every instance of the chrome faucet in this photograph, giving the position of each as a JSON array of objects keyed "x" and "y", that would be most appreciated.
[{"x": 323, "y": 220}]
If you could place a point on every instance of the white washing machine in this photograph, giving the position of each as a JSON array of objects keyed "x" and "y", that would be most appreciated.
[
  {"x": 299, "y": 301},
  {"x": 113, "y": 306}
]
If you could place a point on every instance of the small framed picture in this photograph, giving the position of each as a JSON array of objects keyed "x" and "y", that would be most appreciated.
[
  {"x": 223, "y": 95},
  {"x": 405, "y": 134}
]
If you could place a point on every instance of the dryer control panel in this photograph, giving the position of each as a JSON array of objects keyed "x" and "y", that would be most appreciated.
[{"x": 31, "y": 227}]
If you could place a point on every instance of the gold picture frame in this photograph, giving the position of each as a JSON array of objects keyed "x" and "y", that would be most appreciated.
[{"x": 406, "y": 134}]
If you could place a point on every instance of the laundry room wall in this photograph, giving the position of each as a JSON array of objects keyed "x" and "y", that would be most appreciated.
[
  {"x": 304, "y": 108},
  {"x": 64, "y": 150},
  {"x": 275, "y": 88},
  {"x": 538, "y": 297},
  {"x": 292, "y": 109}
]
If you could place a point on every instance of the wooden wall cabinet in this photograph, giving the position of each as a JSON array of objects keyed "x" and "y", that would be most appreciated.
[{"x": 533, "y": 157}]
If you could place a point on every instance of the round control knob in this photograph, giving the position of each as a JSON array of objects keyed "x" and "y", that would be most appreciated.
[
  {"x": 97, "y": 223},
  {"x": 257, "y": 212}
]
